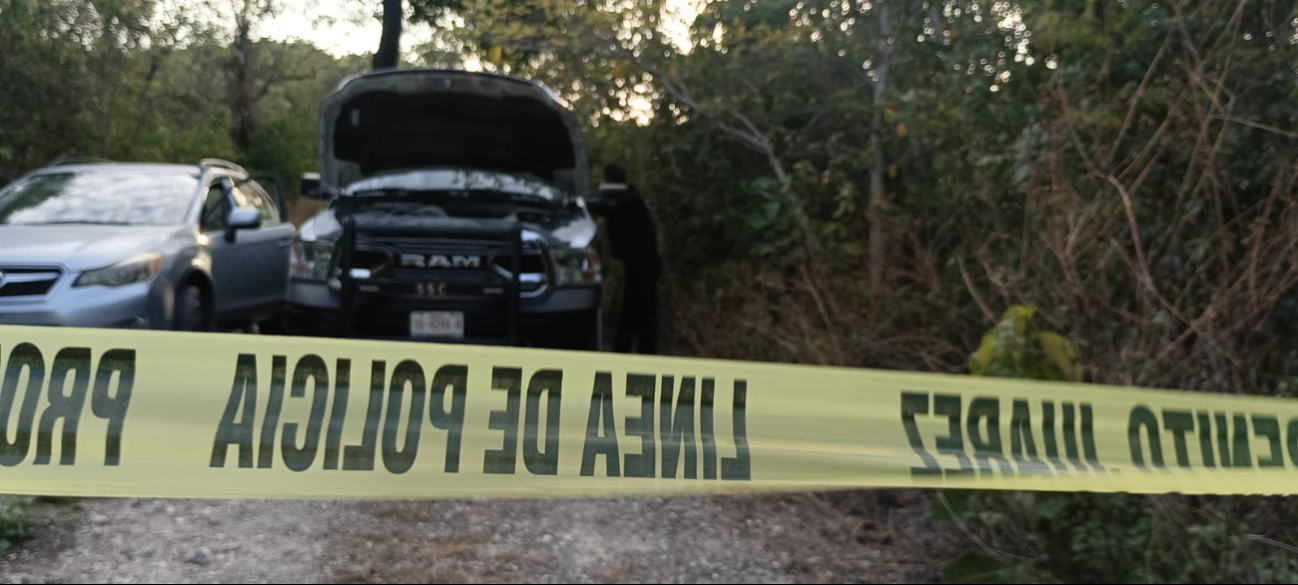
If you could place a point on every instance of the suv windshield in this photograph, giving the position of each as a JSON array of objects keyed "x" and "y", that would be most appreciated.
[{"x": 105, "y": 198}]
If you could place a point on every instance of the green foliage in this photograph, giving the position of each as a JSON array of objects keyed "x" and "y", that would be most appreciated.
[
  {"x": 1017, "y": 349},
  {"x": 1045, "y": 537},
  {"x": 1113, "y": 538},
  {"x": 1056, "y": 537},
  {"x": 276, "y": 149},
  {"x": 15, "y": 520},
  {"x": 975, "y": 569},
  {"x": 126, "y": 81}
]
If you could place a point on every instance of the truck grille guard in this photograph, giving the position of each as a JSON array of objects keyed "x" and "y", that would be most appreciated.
[{"x": 509, "y": 235}]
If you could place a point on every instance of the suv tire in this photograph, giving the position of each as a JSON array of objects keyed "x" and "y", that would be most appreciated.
[{"x": 191, "y": 312}]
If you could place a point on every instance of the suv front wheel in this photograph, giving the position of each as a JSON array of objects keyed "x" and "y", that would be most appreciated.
[{"x": 191, "y": 312}]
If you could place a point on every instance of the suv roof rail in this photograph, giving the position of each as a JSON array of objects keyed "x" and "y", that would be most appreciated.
[
  {"x": 76, "y": 160},
  {"x": 221, "y": 164}
]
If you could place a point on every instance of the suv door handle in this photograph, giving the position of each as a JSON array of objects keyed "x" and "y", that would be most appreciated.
[{"x": 286, "y": 244}]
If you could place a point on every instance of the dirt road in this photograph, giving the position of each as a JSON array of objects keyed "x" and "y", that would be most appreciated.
[{"x": 786, "y": 539}]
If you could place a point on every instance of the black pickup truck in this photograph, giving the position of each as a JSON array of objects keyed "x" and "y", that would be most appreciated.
[{"x": 456, "y": 214}]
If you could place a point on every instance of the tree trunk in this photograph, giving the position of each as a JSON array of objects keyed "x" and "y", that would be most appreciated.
[
  {"x": 242, "y": 99},
  {"x": 389, "y": 55},
  {"x": 878, "y": 199}
]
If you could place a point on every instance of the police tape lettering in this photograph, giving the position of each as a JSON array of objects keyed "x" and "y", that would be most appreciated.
[
  {"x": 63, "y": 400},
  {"x": 299, "y": 446},
  {"x": 234, "y": 416}
]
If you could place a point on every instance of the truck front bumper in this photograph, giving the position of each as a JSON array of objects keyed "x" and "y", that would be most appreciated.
[{"x": 567, "y": 318}]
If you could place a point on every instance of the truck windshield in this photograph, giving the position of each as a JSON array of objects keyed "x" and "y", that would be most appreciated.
[
  {"x": 99, "y": 198},
  {"x": 486, "y": 186}
]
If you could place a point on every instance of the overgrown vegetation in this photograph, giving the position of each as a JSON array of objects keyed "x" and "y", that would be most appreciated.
[
  {"x": 126, "y": 80},
  {"x": 1088, "y": 538},
  {"x": 848, "y": 182},
  {"x": 15, "y": 520},
  {"x": 1112, "y": 538}
]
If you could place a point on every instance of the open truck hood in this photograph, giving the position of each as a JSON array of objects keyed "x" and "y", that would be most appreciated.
[{"x": 410, "y": 119}]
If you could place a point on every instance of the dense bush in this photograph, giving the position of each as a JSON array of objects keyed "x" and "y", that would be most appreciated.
[
  {"x": 15, "y": 520},
  {"x": 1103, "y": 538}
]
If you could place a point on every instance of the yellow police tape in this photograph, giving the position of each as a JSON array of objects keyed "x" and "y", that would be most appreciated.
[{"x": 144, "y": 414}]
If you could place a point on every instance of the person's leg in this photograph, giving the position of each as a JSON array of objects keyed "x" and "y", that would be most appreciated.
[
  {"x": 626, "y": 325},
  {"x": 640, "y": 306},
  {"x": 649, "y": 315}
]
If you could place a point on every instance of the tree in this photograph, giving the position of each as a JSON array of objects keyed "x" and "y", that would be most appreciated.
[
  {"x": 393, "y": 17},
  {"x": 83, "y": 77},
  {"x": 885, "y": 35},
  {"x": 389, "y": 53},
  {"x": 243, "y": 89}
]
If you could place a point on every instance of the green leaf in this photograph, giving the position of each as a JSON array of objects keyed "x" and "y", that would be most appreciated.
[
  {"x": 1018, "y": 317},
  {"x": 958, "y": 505},
  {"x": 1016, "y": 348},
  {"x": 756, "y": 222},
  {"x": 972, "y": 569},
  {"x": 981, "y": 360},
  {"x": 1050, "y": 506},
  {"x": 1060, "y": 351},
  {"x": 772, "y": 210}
]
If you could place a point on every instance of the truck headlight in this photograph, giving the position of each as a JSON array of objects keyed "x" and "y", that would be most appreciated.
[
  {"x": 573, "y": 267},
  {"x": 138, "y": 269},
  {"x": 312, "y": 260}
]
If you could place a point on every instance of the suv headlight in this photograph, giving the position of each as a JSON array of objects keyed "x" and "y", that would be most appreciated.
[
  {"x": 138, "y": 269},
  {"x": 573, "y": 267},
  {"x": 312, "y": 260}
]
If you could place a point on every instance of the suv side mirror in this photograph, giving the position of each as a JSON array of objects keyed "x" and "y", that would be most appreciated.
[
  {"x": 311, "y": 187},
  {"x": 242, "y": 218}
]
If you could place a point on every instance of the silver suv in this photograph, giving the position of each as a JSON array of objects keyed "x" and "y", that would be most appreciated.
[{"x": 146, "y": 246}]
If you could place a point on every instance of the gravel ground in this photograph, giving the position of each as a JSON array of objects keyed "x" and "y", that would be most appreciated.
[{"x": 784, "y": 539}]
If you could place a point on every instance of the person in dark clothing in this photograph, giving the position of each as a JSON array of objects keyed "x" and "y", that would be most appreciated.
[{"x": 633, "y": 238}]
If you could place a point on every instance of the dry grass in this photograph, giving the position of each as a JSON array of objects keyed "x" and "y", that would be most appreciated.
[
  {"x": 837, "y": 538},
  {"x": 301, "y": 209}
]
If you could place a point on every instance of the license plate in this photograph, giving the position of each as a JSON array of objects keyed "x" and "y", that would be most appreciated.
[{"x": 448, "y": 325}]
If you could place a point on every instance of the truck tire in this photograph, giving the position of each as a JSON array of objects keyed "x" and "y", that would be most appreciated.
[
  {"x": 597, "y": 336},
  {"x": 587, "y": 332},
  {"x": 277, "y": 325}
]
